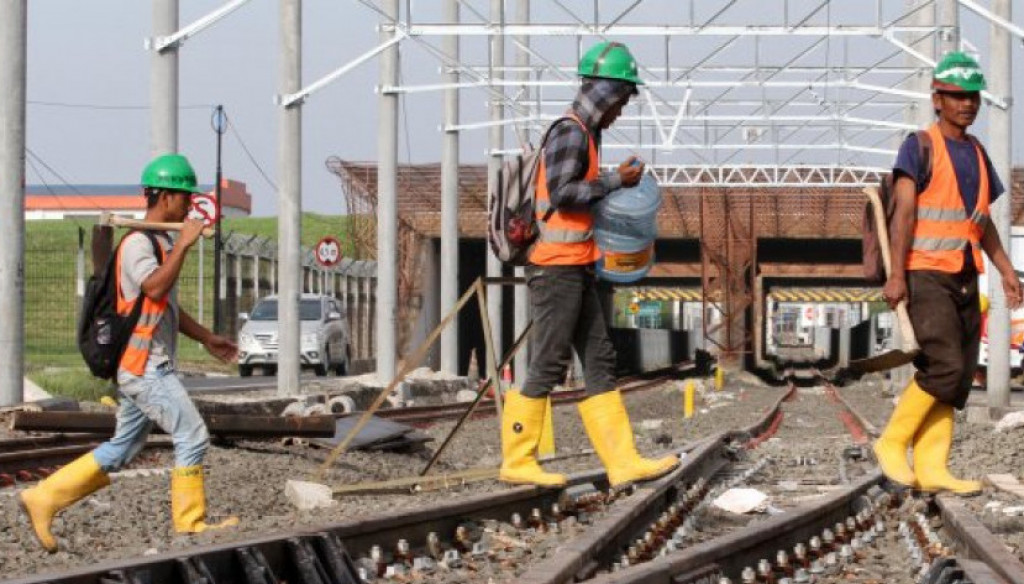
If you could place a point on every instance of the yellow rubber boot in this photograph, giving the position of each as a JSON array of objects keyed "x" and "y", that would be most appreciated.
[
  {"x": 188, "y": 502},
  {"x": 521, "y": 425},
  {"x": 931, "y": 454},
  {"x": 72, "y": 482},
  {"x": 891, "y": 447},
  {"x": 607, "y": 424}
]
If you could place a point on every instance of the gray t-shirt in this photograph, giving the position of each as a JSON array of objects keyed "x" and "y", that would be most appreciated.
[{"x": 138, "y": 261}]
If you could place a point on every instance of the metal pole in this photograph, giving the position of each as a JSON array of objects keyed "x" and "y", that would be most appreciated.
[
  {"x": 163, "y": 86},
  {"x": 1000, "y": 84},
  {"x": 289, "y": 223},
  {"x": 521, "y": 303},
  {"x": 497, "y": 141},
  {"x": 13, "y": 49},
  {"x": 201, "y": 288},
  {"x": 450, "y": 198},
  {"x": 921, "y": 115},
  {"x": 219, "y": 126},
  {"x": 387, "y": 199},
  {"x": 949, "y": 15}
]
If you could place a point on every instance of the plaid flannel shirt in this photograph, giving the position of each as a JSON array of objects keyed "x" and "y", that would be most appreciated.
[{"x": 566, "y": 152}]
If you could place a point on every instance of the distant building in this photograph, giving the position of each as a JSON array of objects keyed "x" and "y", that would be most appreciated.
[{"x": 88, "y": 201}]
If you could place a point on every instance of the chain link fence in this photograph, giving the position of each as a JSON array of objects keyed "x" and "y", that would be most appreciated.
[{"x": 58, "y": 264}]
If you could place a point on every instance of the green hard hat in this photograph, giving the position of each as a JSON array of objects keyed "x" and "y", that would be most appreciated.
[
  {"x": 609, "y": 60},
  {"x": 171, "y": 172},
  {"x": 958, "y": 72}
]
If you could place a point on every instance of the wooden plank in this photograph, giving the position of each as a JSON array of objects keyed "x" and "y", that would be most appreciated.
[
  {"x": 1007, "y": 483},
  {"x": 418, "y": 483}
]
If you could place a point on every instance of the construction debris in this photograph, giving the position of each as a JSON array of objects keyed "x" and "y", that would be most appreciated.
[
  {"x": 307, "y": 496},
  {"x": 377, "y": 435}
]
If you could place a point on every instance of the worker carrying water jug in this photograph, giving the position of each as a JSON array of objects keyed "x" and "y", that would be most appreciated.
[
  {"x": 567, "y": 313},
  {"x": 940, "y": 227}
]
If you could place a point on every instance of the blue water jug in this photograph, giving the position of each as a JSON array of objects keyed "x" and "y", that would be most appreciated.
[{"x": 625, "y": 227}]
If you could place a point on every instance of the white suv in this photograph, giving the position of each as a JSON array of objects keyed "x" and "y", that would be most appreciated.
[{"x": 324, "y": 340}]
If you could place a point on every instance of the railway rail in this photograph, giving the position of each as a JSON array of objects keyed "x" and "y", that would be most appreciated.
[
  {"x": 35, "y": 458},
  {"x": 428, "y": 414},
  {"x": 646, "y": 533},
  {"x": 31, "y": 458}
]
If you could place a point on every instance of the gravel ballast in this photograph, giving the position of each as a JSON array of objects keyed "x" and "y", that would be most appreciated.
[{"x": 132, "y": 517}]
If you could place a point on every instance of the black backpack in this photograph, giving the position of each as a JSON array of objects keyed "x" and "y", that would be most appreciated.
[{"x": 103, "y": 333}]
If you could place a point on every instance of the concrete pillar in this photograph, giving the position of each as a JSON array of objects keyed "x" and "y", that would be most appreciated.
[
  {"x": 367, "y": 324},
  {"x": 343, "y": 287},
  {"x": 255, "y": 278},
  {"x": 1000, "y": 122},
  {"x": 429, "y": 317},
  {"x": 163, "y": 84},
  {"x": 450, "y": 199},
  {"x": 948, "y": 14},
  {"x": 387, "y": 200},
  {"x": 356, "y": 312},
  {"x": 80, "y": 274},
  {"x": 238, "y": 278},
  {"x": 920, "y": 114},
  {"x": 289, "y": 223},
  {"x": 520, "y": 300},
  {"x": 844, "y": 337},
  {"x": 13, "y": 43},
  {"x": 373, "y": 343},
  {"x": 497, "y": 142}
]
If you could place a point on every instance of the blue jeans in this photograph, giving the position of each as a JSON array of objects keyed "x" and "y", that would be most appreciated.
[{"x": 156, "y": 397}]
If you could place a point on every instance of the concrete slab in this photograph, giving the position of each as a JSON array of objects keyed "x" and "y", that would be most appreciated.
[
  {"x": 306, "y": 495},
  {"x": 33, "y": 392}
]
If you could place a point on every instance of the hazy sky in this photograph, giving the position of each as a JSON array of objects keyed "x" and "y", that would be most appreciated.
[{"x": 92, "y": 53}]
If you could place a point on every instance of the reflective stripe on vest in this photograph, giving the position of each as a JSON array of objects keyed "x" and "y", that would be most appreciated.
[
  {"x": 567, "y": 237},
  {"x": 137, "y": 352},
  {"x": 943, "y": 229}
]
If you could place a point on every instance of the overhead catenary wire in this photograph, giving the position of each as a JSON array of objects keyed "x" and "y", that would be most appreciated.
[
  {"x": 310, "y": 217},
  {"x": 32, "y": 158}
]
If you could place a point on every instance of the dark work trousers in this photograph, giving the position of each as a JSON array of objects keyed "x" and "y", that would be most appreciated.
[
  {"x": 567, "y": 315},
  {"x": 946, "y": 317}
]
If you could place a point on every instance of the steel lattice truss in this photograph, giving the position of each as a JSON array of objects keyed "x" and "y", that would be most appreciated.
[
  {"x": 806, "y": 90},
  {"x": 758, "y": 117}
]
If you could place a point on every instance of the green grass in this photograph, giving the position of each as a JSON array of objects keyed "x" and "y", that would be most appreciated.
[
  {"x": 51, "y": 304},
  {"x": 71, "y": 381}
]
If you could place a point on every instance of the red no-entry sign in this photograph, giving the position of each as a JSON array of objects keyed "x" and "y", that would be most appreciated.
[{"x": 204, "y": 207}]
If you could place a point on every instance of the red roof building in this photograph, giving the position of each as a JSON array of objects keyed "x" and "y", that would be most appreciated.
[{"x": 88, "y": 201}]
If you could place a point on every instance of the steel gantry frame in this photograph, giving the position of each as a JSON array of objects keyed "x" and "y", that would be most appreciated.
[{"x": 804, "y": 113}]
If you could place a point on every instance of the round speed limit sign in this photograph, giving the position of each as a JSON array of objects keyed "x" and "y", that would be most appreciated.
[{"x": 328, "y": 251}]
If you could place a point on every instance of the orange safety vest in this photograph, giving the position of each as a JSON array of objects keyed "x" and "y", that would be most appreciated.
[
  {"x": 943, "y": 229},
  {"x": 137, "y": 352},
  {"x": 567, "y": 237}
]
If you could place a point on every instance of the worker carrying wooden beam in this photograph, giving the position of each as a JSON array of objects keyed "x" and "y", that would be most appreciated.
[
  {"x": 147, "y": 267},
  {"x": 940, "y": 228}
]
